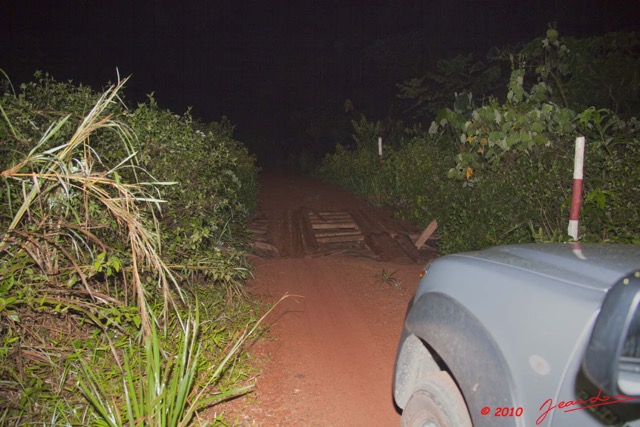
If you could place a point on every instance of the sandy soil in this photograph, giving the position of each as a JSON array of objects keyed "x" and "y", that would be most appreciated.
[{"x": 329, "y": 358}]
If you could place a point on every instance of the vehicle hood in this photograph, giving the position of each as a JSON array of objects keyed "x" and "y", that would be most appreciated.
[{"x": 595, "y": 266}]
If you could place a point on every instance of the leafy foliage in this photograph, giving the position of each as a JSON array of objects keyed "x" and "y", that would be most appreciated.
[
  {"x": 456, "y": 78},
  {"x": 600, "y": 71},
  {"x": 94, "y": 245},
  {"x": 501, "y": 172}
]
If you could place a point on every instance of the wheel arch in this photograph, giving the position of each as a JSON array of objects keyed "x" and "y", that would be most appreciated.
[{"x": 441, "y": 334}]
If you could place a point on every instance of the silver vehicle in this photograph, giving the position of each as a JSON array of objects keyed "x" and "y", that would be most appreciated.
[{"x": 524, "y": 335}]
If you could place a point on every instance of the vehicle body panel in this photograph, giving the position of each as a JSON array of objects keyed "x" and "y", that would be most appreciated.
[{"x": 524, "y": 312}]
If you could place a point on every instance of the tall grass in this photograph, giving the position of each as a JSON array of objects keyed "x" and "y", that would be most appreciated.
[
  {"x": 81, "y": 246},
  {"x": 161, "y": 389},
  {"x": 63, "y": 184},
  {"x": 156, "y": 387}
]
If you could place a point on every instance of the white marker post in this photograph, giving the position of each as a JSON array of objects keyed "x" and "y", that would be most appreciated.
[
  {"x": 576, "y": 196},
  {"x": 380, "y": 146}
]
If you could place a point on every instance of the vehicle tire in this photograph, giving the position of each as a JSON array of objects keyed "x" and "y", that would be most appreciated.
[{"x": 436, "y": 402}]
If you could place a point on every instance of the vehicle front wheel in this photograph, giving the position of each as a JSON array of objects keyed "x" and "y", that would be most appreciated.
[{"x": 436, "y": 402}]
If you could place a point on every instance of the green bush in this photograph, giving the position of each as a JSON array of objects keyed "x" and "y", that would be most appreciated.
[
  {"x": 501, "y": 172},
  {"x": 216, "y": 185},
  {"x": 356, "y": 170},
  {"x": 114, "y": 223},
  {"x": 526, "y": 146}
]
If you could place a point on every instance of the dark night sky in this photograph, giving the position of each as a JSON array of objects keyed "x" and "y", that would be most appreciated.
[{"x": 262, "y": 62}]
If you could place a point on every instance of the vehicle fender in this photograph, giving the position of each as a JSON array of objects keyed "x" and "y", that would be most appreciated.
[{"x": 469, "y": 352}]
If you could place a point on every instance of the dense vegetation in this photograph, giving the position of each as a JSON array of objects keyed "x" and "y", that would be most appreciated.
[
  {"x": 121, "y": 259},
  {"x": 490, "y": 152}
]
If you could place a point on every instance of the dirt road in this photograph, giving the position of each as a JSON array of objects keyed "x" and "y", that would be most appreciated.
[{"x": 330, "y": 359}]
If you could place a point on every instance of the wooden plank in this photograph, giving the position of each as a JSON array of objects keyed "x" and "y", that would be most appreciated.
[
  {"x": 310, "y": 245},
  {"x": 296, "y": 233},
  {"x": 285, "y": 243},
  {"x": 290, "y": 239},
  {"x": 375, "y": 223},
  {"x": 426, "y": 233},
  {"x": 333, "y": 225},
  {"x": 281, "y": 235},
  {"x": 363, "y": 222},
  {"x": 336, "y": 219},
  {"x": 272, "y": 231},
  {"x": 407, "y": 245},
  {"x": 340, "y": 239},
  {"x": 346, "y": 218},
  {"x": 383, "y": 245},
  {"x": 393, "y": 226},
  {"x": 316, "y": 214},
  {"x": 333, "y": 213},
  {"x": 378, "y": 223},
  {"x": 330, "y": 233}
]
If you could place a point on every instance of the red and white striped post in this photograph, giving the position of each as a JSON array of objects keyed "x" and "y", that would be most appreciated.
[{"x": 576, "y": 195}]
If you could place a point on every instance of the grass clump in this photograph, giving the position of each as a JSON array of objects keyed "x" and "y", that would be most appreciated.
[
  {"x": 388, "y": 277},
  {"x": 105, "y": 286}
]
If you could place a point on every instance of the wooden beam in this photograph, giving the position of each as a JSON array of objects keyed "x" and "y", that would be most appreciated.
[
  {"x": 428, "y": 231},
  {"x": 309, "y": 242},
  {"x": 340, "y": 239},
  {"x": 333, "y": 225}
]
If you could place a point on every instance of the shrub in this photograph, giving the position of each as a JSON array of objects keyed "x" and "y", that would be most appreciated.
[
  {"x": 88, "y": 254},
  {"x": 501, "y": 172}
]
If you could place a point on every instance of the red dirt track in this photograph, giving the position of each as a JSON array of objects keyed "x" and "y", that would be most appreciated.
[{"x": 329, "y": 358}]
